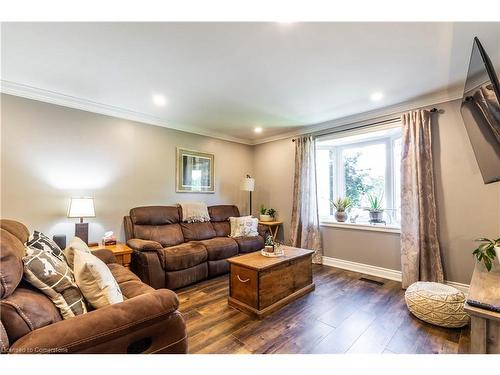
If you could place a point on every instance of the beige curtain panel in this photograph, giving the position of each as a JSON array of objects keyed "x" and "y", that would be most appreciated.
[
  {"x": 420, "y": 251},
  {"x": 305, "y": 231}
]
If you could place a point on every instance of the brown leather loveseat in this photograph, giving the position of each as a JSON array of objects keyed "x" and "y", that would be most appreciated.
[
  {"x": 169, "y": 253},
  {"x": 146, "y": 322}
]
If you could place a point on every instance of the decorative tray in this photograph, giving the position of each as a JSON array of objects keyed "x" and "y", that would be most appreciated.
[{"x": 276, "y": 254}]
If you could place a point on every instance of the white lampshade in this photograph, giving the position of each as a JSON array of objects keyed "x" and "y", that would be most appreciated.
[
  {"x": 248, "y": 184},
  {"x": 81, "y": 207}
]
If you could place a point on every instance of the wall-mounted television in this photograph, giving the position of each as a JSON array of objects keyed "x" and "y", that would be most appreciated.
[{"x": 481, "y": 112}]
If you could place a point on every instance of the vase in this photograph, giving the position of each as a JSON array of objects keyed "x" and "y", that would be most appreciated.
[
  {"x": 376, "y": 216},
  {"x": 269, "y": 249},
  {"x": 265, "y": 218},
  {"x": 340, "y": 216}
]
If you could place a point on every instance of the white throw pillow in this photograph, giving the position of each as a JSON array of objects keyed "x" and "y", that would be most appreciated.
[
  {"x": 75, "y": 244},
  {"x": 244, "y": 226},
  {"x": 95, "y": 280}
]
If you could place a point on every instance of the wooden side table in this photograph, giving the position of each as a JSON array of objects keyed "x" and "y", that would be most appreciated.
[
  {"x": 121, "y": 251},
  {"x": 273, "y": 226},
  {"x": 485, "y": 330}
]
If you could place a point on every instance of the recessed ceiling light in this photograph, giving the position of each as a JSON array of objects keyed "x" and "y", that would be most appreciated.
[
  {"x": 376, "y": 96},
  {"x": 258, "y": 130},
  {"x": 159, "y": 100}
]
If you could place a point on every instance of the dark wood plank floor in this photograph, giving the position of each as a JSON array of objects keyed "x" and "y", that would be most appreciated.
[{"x": 343, "y": 315}]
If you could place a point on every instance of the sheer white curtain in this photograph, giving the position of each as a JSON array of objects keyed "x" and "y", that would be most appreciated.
[{"x": 305, "y": 231}]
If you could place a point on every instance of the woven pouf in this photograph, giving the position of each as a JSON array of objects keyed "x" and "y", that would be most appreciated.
[{"x": 438, "y": 304}]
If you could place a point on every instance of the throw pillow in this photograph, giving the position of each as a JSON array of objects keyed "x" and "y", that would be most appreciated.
[
  {"x": 42, "y": 242},
  {"x": 96, "y": 280},
  {"x": 245, "y": 226},
  {"x": 75, "y": 244},
  {"x": 53, "y": 277}
]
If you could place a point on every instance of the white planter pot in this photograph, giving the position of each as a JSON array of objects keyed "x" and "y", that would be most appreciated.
[{"x": 265, "y": 218}]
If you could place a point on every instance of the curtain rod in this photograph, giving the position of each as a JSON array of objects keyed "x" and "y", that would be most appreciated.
[{"x": 433, "y": 110}]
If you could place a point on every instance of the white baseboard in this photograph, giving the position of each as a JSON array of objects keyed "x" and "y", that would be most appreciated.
[{"x": 385, "y": 273}]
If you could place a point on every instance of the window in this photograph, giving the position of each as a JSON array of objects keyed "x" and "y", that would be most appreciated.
[{"x": 359, "y": 164}]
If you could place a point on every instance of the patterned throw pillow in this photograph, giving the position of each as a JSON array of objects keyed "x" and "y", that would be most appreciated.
[
  {"x": 95, "y": 280},
  {"x": 42, "y": 242},
  {"x": 54, "y": 278},
  {"x": 244, "y": 226}
]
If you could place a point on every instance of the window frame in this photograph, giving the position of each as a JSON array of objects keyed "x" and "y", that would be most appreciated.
[{"x": 390, "y": 180}]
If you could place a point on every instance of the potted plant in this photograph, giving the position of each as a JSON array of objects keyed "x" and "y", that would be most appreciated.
[
  {"x": 487, "y": 251},
  {"x": 269, "y": 244},
  {"x": 375, "y": 209},
  {"x": 272, "y": 212},
  {"x": 263, "y": 214},
  {"x": 341, "y": 205}
]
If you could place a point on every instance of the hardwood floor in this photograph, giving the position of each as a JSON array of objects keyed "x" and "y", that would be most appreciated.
[{"x": 343, "y": 315}]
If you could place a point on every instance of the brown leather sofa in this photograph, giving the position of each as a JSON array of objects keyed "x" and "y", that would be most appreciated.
[
  {"x": 169, "y": 253},
  {"x": 146, "y": 322}
]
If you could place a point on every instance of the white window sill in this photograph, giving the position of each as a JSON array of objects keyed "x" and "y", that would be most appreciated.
[{"x": 358, "y": 226}]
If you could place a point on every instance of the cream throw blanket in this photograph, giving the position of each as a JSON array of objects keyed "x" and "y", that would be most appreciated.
[{"x": 193, "y": 212}]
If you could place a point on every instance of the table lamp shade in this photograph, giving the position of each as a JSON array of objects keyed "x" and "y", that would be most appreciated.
[
  {"x": 81, "y": 207},
  {"x": 248, "y": 184}
]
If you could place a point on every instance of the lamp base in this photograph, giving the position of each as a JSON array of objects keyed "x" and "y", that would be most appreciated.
[{"x": 82, "y": 231}]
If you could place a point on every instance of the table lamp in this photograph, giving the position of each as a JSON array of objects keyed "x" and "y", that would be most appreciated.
[
  {"x": 248, "y": 184},
  {"x": 81, "y": 207}
]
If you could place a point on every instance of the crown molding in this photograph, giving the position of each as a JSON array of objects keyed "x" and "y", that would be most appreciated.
[
  {"x": 47, "y": 96},
  {"x": 29, "y": 92},
  {"x": 374, "y": 115}
]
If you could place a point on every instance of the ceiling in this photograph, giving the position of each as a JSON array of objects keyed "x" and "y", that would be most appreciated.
[{"x": 225, "y": 79}]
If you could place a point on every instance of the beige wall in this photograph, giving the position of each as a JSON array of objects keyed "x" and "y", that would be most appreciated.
[
  {"x": 466, "y": 207},
  {"x": 50, "y": 153}
]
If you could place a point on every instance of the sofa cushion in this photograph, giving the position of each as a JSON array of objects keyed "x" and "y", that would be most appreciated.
[
  {"x": 42, "y": 242},
  {"x": 182, "y": 256},
  {"x": 95, "y": 280},
  {"x": 166, "y": 235},
  {"x": 154, "y": 215},
  {"x": 15, "y": 228},
  {"x": 249, "y": 244},
  {"x": 197, "y": 231},
  {"x": 222, "y": 228},
  {"x": 55, "y": 279},
  {"x": 222, "y": 212},
  {"x": 26, "y": 310},
  {"x": 130, "y": 285},
  {"x": 11, "y": 264},
  {"x": 220, "y": 248}
]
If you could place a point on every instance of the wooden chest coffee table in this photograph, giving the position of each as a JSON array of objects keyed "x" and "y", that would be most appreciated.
[{"x": 260, "y": 285}]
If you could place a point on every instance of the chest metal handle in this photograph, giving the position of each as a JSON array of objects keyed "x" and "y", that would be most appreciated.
[{"x": 243, "y": 281}]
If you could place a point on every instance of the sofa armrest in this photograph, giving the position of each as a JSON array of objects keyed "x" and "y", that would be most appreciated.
[
  {"x": 263, "y": 231},
  {"x": 144, "y": 245},
  {"x": 147, "y": 323},
  {"x": 105, "y": 255}
]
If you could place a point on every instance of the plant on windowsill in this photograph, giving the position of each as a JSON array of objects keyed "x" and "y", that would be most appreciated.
[
  {"x": 487, "y": 251},
  {"x": 375, "y": 210},
  {"x": 341, "y": 205},
  {"x": 263, "y": 214}
]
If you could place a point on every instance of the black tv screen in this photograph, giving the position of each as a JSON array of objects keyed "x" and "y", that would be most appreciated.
[{"x": 481, "y": 112}]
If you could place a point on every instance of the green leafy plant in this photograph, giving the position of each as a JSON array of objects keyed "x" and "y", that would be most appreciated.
[
  {"x": 269, "y": 241},
  {"x": 485, "y": 252},
  {"x": 262, "y": 209},
  {"x": 271, "y": 212},
  {"x": 375, "y": 203},
  {"x": 341, "y": 204}
]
